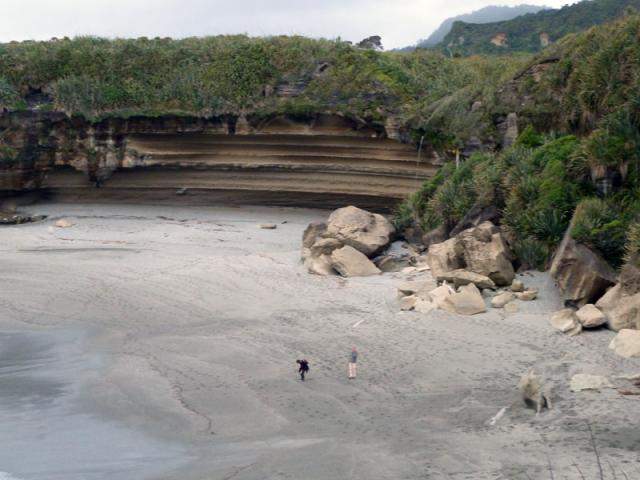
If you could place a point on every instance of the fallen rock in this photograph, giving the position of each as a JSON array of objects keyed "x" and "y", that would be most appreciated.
[
  {"x": 535, "y": 393},
  {"x": 527, "y": 295},
  {"x": 439, "y": 295},
  {"x": 566, "y": 321},
  {"x": 517, "y": 286},
  {"x": 500, "y": 300},
  {"x": 486, "y": 253},
  {"x": 415, "y": 287},
  {"x": 622, "y": 311},
  {"x": 64, "y": 223},
  {"x": 312, "y": 233},
  {"x": 626, "y": 343},
  {"x": 511, "y": 307},
  {"x": 477, "y": 215},
  {"x": 464, "y": 277},
  {"x": 445, "y": 257},
  {"x": 590, "y": 316},
  {"x": 320, "y": 265},
  {"x": 581, "y": 275},
  {"x": 325, "y": 246},
  {"x": 369, "y": 233},
  {"x": 349, "y": 262},
  {"x": 466, "y": 301},
  {"x": 582, "y": 381},
  {"x": 268, "y": 226},
  {"x": 424, "y": 306},
  {"x": 13, "y": 218},
  {"x": 390, "y": 263},
  {"x": 408, "y": 303}
]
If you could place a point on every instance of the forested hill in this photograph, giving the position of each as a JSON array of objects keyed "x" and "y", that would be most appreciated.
[
  {"x": 490, "y": 14},
  {"x": 532, "y": 32}
]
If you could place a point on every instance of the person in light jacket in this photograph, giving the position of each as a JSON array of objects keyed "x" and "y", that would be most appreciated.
[{"x": 352, "y": 363}]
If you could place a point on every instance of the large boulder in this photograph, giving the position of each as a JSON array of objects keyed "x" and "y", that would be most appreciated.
[
  {"x": 583, "y": 381},
  {"x": 485, "y": 252},
  {"x": 445, "y": 257},
  {"x": 466, "y": 301},
  {"x": 349, "y": 262},
  {"x": 581, "y": 275},
  {"x": 312, "y": 233},
  {"x": 622, "y": 311},
  {"x": 464, "y": 277},
  {"x": 590, "y": 316},
  {"x": 369, "y": 233},
  {"x": 626, "y": 343}
]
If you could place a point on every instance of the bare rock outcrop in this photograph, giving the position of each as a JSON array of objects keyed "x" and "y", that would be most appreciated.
[
  {"x": 349, "y": 262},
  {"x": 581, "y": 275},
  {"x": 367, "y": 232}
]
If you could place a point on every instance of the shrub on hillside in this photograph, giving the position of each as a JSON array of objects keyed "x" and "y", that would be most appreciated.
[{"x": 601, "y": 226}]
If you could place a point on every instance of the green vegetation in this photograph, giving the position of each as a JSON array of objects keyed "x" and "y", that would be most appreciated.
[
  {"x": 523, "y": 34},
  {"x": 231, "y": 74}
]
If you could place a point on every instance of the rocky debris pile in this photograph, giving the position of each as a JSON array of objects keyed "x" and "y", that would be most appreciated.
[
  {"x": 480, "y": 250},
  {"x": 347, "y": 242},
  {"x": 426, "y": 296},
  {"x": 13, "y": 218},
  {"x": 475, "y": 264}
]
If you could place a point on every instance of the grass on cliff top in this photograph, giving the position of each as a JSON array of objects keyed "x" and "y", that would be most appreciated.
[{"x": 231, "y": 74}]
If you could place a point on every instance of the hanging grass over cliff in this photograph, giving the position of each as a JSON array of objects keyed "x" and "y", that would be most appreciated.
[{"x": 231, "y": 74}]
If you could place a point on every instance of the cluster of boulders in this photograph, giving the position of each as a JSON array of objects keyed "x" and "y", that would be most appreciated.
[
  {"x": 473, "y": 265},
  {"x": 346, "y": 243}
]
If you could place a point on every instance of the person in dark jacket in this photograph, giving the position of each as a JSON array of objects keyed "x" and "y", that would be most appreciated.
[
  {"x": 353, "y": 359},
  {"x": 304, "y": 368}
]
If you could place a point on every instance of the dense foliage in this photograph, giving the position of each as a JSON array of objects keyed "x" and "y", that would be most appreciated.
[
  {"x": 229, "y": 74},
  {"x": 523, "y": 33}
]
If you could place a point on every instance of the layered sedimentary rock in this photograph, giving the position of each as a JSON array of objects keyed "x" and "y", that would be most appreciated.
[{"x": 320, "y": 160}]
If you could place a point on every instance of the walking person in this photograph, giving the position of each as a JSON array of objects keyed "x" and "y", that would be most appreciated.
[
  {"x": 352, "y": 363},
  {"x": 303, "y": 368}
]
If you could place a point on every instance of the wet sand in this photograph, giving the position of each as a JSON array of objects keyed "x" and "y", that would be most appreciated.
[{"x": 182, "y": 326}]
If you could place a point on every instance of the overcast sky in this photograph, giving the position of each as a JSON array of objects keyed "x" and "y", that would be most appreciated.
[{"x": 399, "y": 22}]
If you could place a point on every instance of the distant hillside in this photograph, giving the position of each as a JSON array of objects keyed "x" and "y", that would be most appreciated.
[
  {"x": 532, "y": 32},
  {"x": 492, "y": 13}
]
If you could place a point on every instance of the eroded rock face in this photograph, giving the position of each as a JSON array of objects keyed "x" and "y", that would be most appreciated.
[
  {"x": 581, "y": 275},
  {"x": 486, "y": 253},
  {"x": 367, "y": 232},
  {"x": 349, "y": 262}
]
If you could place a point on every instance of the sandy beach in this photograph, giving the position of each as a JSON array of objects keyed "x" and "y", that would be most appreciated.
[{"x": 159, "y": 342}]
